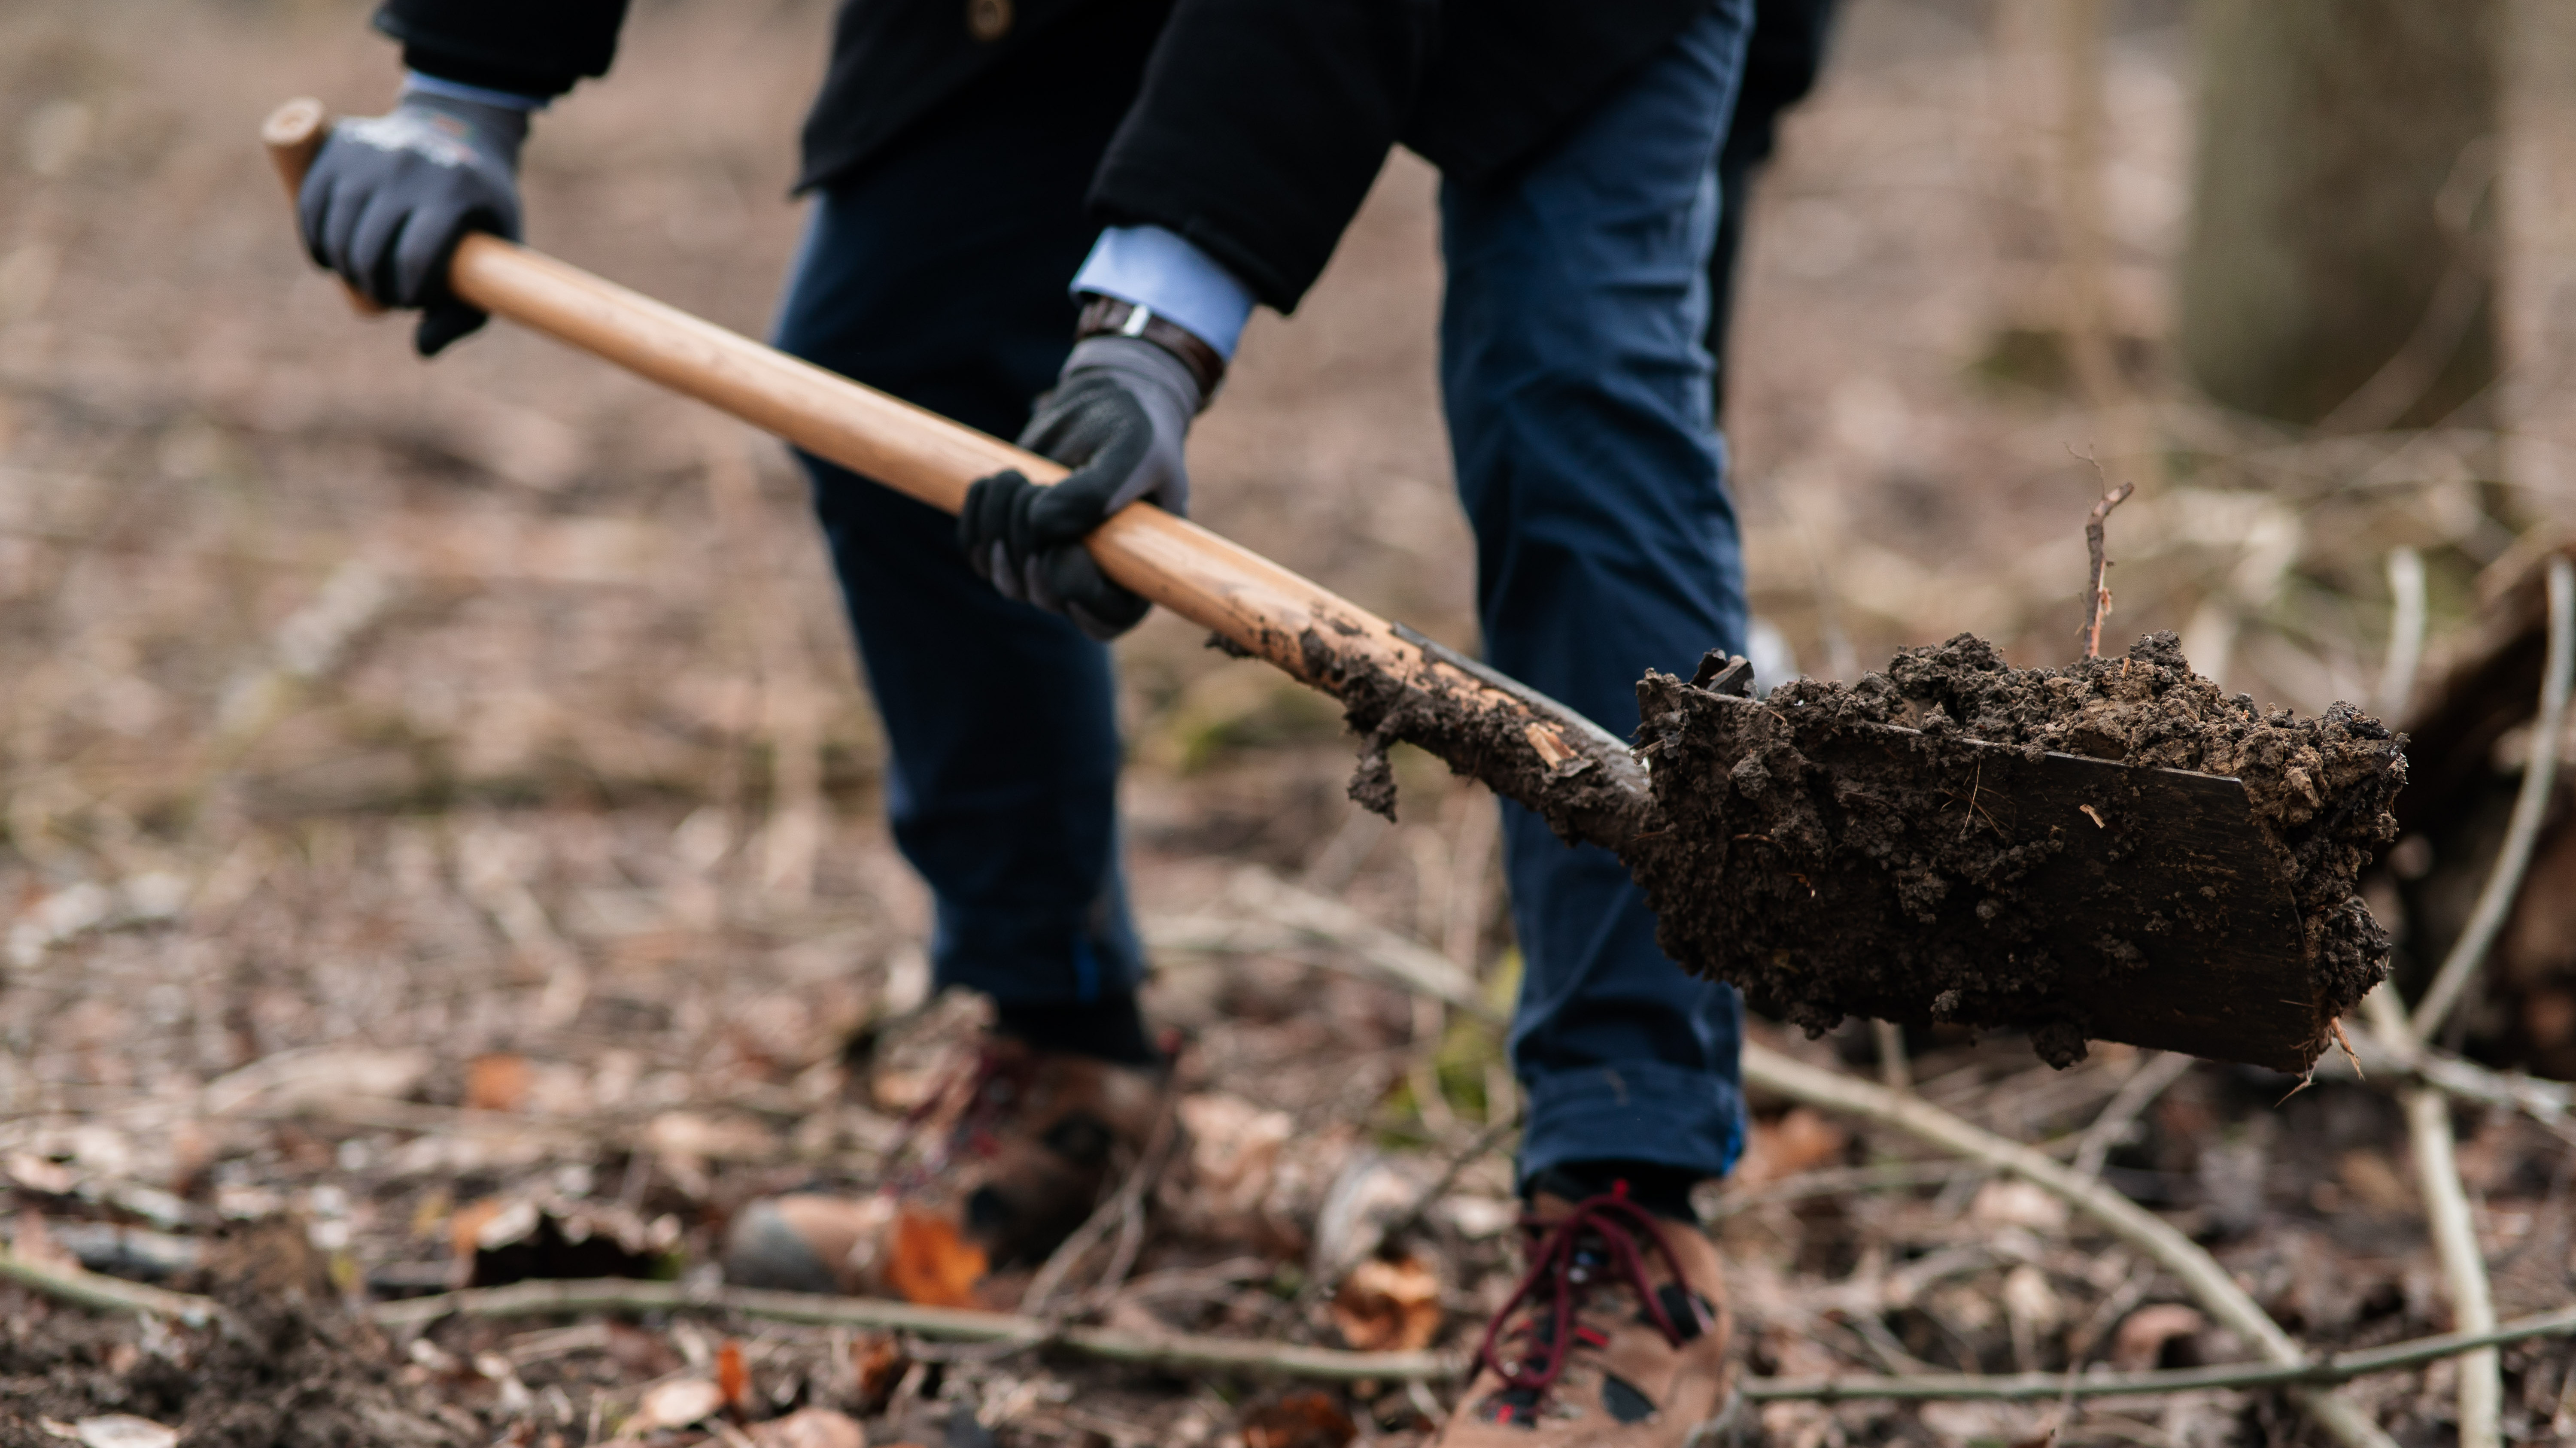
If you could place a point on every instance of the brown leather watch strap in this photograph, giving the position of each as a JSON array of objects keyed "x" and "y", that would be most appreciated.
[{"x": 1111, "y": 317}]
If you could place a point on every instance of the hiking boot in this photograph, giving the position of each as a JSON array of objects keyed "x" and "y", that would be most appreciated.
[
  {"x": 1025, "y": 1143},
  {"x": 1615, "y": 1338}
]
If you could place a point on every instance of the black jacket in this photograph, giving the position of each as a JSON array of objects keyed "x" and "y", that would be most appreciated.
[{"x": 1260, "y": 125}]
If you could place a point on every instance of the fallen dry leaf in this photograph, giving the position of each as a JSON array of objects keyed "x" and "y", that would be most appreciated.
[
  {"x": 1799, "y": 1140},
  {"x": 2007, "y": 1203},
  {"x": 497, "y": 1082},
  {"x": 290, "y": 1080},
  {"x": 931, "y": 1264},
  {"x": 1388, "y": 1306},
  {"x": 810, "y": 1428},
  {"x": 732, "y": 1378},
  {"x": 2369, "y": 1175},
  {"x": 1299, "y": 1420},
  {"x": 675, "y": 1404},
  {"x": 879, "y": 1361},
  {"x": 2140, "y": 1342},
  {"x": 2029, "y": 1299},
  {"x": 1234, "y": 1150},
  {"x": 123, "y": 1430}
]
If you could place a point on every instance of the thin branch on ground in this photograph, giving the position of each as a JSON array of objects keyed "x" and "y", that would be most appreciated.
[
  {"x": 2200, "y": 1273},
  {"x": 84, "y": 1288},
  {"x": 2551, "y": 1104},
  {"x": 1175, "y": 1351},
  {"x": 2409, "y": 617},
  {"x": 1150, "y": 1166},
  {"x": 2135, "y": 1095},
  {"x": 2097, "y": 597},
  {"x": 2530, "y": 806},
  {"x": 2428, "y": 1108},
  {"x": 1192, "y": 1352},
  {"x": 1124, "y": 1208},
  {"x": 2325, "y": 1371},
  {"x": 2464, "y": 1266},
  {"x": 1893, "y": 1176},
  {"x": 1323, "y": 1284},
  {"x": 1286, "y": 917},
  {"x": 1894, "y": 1071}
]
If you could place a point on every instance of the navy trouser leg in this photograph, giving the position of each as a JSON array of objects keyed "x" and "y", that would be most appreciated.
[
  {"x": 1577, "y": 385},
  {"x": 939, "y": 275}
]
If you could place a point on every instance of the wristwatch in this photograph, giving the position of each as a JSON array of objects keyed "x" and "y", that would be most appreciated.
[{"x": 1113, "y": 317}]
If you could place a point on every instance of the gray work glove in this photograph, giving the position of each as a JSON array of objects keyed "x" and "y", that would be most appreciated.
[
  {"x": 390, "y": 196},
  {"x": 1118, "y": 416}
]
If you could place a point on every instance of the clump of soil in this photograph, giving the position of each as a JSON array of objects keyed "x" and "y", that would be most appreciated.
[
  {"x": 286, "y": 1366},
  {"x": 1915, "y": 847}
]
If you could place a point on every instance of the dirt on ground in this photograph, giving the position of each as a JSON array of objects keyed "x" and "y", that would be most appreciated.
[
  {"x": 287, "y": 1364},
  {"x": 1861, "y": 849}
]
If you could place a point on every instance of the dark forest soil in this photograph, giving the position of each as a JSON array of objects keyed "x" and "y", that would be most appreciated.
[
  {"x": 287, "y": 1366},
  {"x": 1860, "y": 850}
]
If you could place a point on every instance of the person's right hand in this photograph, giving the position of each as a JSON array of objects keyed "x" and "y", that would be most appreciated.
[{"x": 390, "y": 196}]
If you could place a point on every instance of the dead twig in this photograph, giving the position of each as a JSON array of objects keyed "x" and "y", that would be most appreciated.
[
  {"x": 1124, "y": 1209},
  {"x": 66, "y": 1283},
  {"x": 1286, "y": 918},
  {"x": 2551, "y": 1104},
  {"x": 2454, "y": 1231},
  {"x": 2324, "y": 1371},
  {"x": 1892, "y": 1177},
  {"x": 2098, "y": 595},
  {"x": 2464, "y": 1266},
  {"x": 1131, "y": 1202},
  {"x": 1192, "y": 1352},
  {"x": 2408, "y": 618},
  {"x": 2428, "y": 1108},
  {"x": 2135, "y": 1095},
  {"x": 1323, "y": 1284},
  {"x": 1894, "y": 1072},
  {"x": 1175, "y": 1351},
  {"x": 2530, "y": 804},
  {"x": 2200, "y": 1273}
]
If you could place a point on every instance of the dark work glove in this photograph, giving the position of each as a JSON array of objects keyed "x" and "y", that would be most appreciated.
[
  {"x": 390, "y": 196},
  {"x": 1118, "y": 416}
]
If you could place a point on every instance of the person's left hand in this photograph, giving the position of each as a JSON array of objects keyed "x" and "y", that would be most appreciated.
[{"x": 1118, "y": 416}]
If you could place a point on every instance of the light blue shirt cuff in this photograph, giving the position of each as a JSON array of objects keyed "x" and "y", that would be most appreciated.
[
  {"x": 1149, "y": 267},
  {"x": 457, "y": 90}
]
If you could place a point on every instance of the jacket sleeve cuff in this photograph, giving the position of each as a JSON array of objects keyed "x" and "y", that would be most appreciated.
[
  {"x": 1150, "y": 267},
  {"x": 417, "y": 83}
]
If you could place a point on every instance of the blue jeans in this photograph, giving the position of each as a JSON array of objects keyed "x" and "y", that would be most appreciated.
[{"x": 1577, "y": 387}]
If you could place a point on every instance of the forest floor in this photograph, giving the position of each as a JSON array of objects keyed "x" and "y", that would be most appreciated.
[{"x": 441, "y": 810}]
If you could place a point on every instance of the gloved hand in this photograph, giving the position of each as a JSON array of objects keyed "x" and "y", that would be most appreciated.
[
  {"x": 390, "y": 196},
  {"x": 1118, "y": 416}
]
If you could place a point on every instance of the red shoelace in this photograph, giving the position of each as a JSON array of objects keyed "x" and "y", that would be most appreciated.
[{"x": 1558, "y": 1266}]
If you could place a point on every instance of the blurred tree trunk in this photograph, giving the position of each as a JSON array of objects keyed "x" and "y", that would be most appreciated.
[{"x": 2341, "y": 268}]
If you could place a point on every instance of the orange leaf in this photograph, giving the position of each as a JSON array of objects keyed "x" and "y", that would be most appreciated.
[
  {"x": 1299, "y": 1420},
  {"x": 1800, "y": 1140},
  {"x": 497, "y": 1082},
  {"x": 1388, "y": 1306},
  {"x": 465, "y": 1226},
  {"x": 731, "y": 1375},
  {"x": 879, "y": 1362},
  {"x": 931, "y": 1264}
]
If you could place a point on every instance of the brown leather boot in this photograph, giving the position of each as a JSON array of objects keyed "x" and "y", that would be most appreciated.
[
  {"x": 1615, "y": 1338},
  {"x": 1025, "y": 1143}
]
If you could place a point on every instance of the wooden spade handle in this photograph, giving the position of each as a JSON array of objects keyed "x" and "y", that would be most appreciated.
[
  {"x": 1394, "y": 684},
  {"x": 294, "y": 133}
]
